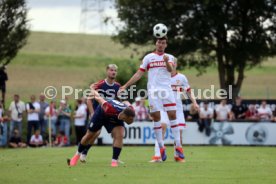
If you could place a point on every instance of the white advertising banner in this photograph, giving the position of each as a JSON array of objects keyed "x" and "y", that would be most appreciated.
[{"x": 233, "y": 133}]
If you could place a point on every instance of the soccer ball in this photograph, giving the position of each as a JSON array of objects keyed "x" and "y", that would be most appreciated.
[{"x": 160, "y": 30}]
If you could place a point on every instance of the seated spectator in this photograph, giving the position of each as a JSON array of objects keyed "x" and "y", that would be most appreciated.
[
  {"x": 264, "y": 112},
  {"x": 36, "y": 140},
  {"x": 193, "y": 114},
  {"x": 274, "y": 115},
  {"x": 61, "y": 140},
  {"x": 141, "y": 111},
  {"x": 238, "y": 110},
  {"x": 252, "y": 113},
  {"x": 205, "y": 115},
  {"x": 53, "y": 138},
  {"x": 16, "y": 141},
  {"x": 222, "y": 111}
]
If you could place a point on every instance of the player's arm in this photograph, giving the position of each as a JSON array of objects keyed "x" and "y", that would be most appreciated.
[
  {"x": 169, "y": 65},
  {"x": 137, "y": 76},
  {"x": 95, "y": 95},
  {"x": 89, "y": 101},
  {"x": 192, "y": 98}
]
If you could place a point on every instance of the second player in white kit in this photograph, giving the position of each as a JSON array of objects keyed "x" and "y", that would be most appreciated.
[{"x": 179, "y": 84}]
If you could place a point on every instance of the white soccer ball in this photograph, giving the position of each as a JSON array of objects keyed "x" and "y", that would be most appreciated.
[{"x": 160, "y": 30}]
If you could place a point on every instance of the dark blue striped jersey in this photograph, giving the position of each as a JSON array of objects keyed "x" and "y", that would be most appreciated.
[{"x": 107, "y": 91}]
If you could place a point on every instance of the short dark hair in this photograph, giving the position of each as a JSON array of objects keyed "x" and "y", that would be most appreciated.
[
  {"x": 129, "y": 112},
  {"x": 163, "y": 38}
]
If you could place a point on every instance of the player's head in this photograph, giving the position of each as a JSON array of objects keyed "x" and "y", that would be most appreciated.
[
  {"x": 127, "y": 115},
  {"x": 161, "y": 44},
  {"x": 111, "y": 71}
]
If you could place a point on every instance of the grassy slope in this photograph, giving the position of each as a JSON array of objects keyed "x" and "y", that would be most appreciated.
[
  {"x": 204, "y": 165},
  {"x": 72, "y": 59}
]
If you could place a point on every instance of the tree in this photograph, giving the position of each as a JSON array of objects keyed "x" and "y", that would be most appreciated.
[
  {"x": 13, "y": 28},
  {"x": 231, "y": 34}
]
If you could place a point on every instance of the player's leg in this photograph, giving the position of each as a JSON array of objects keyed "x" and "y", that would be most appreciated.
[
  {"x": 88, "y": 146},
  {"x": 170, "y": 106},
  {"x": 118, "y": 135},
  {"x": 155, "y": 108},
  {"x": 164, "y": 123},
  {"x": 81, "y": 147},
  {"x": 182, "y": 126},
  {"x": 95, "y": 125}
]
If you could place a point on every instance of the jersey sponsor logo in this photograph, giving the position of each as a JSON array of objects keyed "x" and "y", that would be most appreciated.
[{"x": 156, "y": 64}]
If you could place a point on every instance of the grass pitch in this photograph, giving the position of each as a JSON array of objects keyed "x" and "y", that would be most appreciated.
[{"x": 204, "y": 165}]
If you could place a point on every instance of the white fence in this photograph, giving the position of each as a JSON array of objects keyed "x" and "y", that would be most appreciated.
[{"x": 233, "y": 133}]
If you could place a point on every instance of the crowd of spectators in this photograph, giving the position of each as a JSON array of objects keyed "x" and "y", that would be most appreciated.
[
  {"x": 41, "y": 117},
  {"x": 63, "y": 121}
]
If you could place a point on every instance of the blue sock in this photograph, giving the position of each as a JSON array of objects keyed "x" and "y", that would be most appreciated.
[
  {"x": 81, "y": 148},
  {"x": 85, "y": 151},
  {"x": 116, "y": 153}
]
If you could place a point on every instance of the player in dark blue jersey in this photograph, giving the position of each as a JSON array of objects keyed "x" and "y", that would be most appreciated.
[
  {"x": 111, "y": 114},
  {"x": 108, "y": 89}
]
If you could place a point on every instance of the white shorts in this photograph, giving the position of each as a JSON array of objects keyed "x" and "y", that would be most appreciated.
[
  {"x": 161, "y": 100},
  {"x": 179, "y": 118}
]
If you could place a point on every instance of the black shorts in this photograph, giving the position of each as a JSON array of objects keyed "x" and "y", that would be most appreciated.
[{"x": 99, "y": 120}]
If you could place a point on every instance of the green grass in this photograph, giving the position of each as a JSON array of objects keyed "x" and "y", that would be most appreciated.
[{"x": 204, "y": 165}]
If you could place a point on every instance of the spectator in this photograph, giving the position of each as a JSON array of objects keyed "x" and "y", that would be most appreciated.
[
  {"x": 80, "y": 120},
  {"x": 3, "y": 127},
  {"x": 42, "y": 121},
  {"x": 252, "y": 113},
  {"x": 52, "y": 113},
  {"x": 206, "y": 116},
  {"x": 16, "y": 110},
  {"x": 64, "y": 118},
  {"x": 36, "y": 140},
  {"x": 222, "y": 111},
  {"x": 238, "y": 110},
  {"x": 53, "y": 138},
  {"x": 3, "y": 79},
  {"x": 61, "y": 140},
  {"x": 16, "y": 141},
  {"x": 141, "y": 111},
  {"x": 264, "y": 112},
  {"x": 192, "y": 114},
  {"x": 33, "y": 109}
]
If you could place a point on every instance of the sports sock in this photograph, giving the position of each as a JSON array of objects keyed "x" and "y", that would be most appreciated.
[
  {"x": 156, "y": 149},
  {"x": 85, "y": 151},
  {"x": 176, "y": 132},
  {"x": 158, "y": 134},
  {"x": 116, "y": 153},
  {"x": 81, "y": 148}
]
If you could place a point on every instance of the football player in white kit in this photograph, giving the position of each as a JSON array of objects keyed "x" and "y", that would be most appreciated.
[
  {"x": 160, "y": 95},
  {"x": 179, "y": 84}
]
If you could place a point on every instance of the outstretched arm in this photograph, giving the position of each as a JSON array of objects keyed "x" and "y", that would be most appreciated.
[
  {"x": 137, "y": 76},
  {"x": 95, "y": 95}
]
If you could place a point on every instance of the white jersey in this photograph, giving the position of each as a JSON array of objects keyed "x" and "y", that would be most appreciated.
[
  {"x": 179, "y": 83},
  {"x": 158, "y": 75}
]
